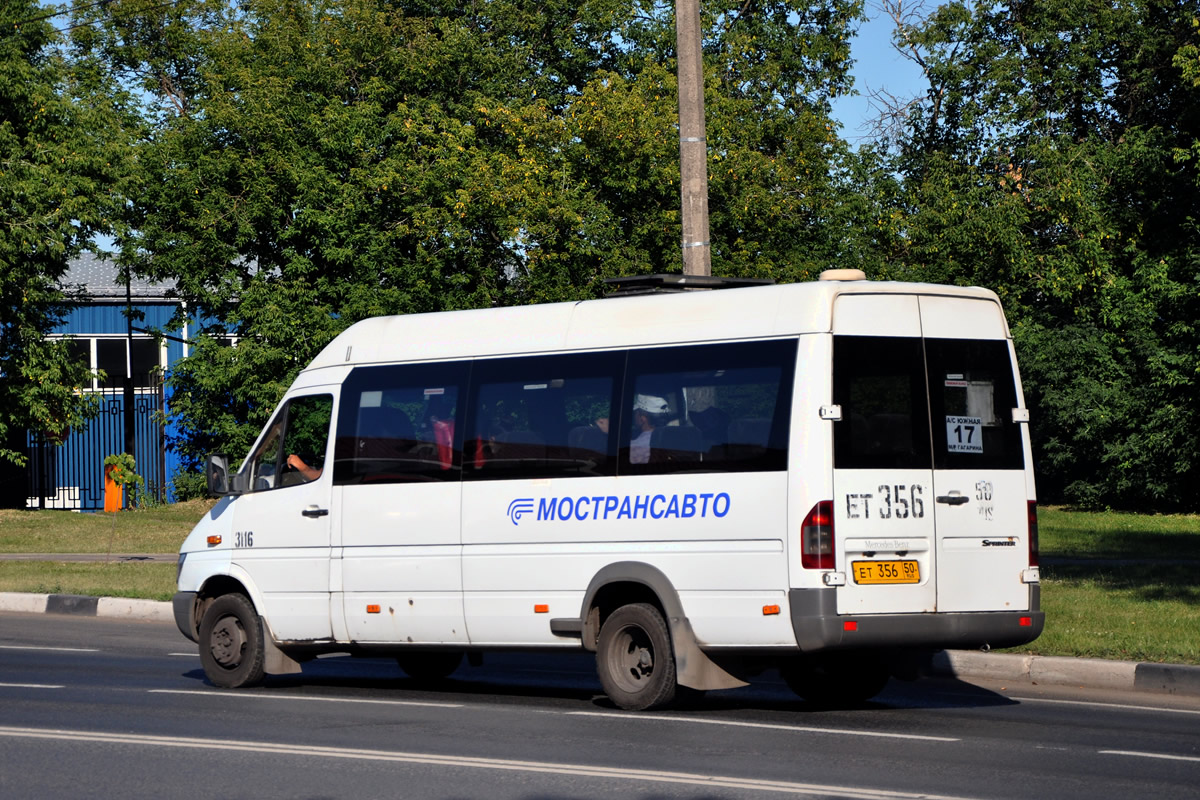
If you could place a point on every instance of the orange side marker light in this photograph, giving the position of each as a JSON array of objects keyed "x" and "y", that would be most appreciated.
[
  {"x": 769, "y": 610},
  {"x": 541, "y": 608},
  {"x": 372, "y": 609}
]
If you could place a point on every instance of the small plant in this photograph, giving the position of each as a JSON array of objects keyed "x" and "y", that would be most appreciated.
[
  {"x": 189, "y": 486},
  {"x": 123, "y": 472}
]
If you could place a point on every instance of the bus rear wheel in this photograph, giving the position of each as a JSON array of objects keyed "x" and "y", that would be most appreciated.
[
  {"x": 634, "y": 658},
  {"x": 836, "y": 679},
  {"x": 231, "y": 642}
]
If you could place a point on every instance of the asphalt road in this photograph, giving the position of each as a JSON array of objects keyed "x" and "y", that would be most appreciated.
[{"x": 94, "y": 707}]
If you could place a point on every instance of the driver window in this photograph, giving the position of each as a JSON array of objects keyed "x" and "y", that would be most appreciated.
[
  {"x": 265, "y": 462},
  {"x": 303, "y": 428},
  {"x": 305, "y": 439}
]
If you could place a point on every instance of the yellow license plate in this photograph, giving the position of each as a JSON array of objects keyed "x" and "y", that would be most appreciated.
[{"x": 886, "y": 572}]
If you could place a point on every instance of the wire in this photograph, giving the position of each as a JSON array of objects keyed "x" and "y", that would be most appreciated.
[
  {"x": 71, "y": 10},
  {"x": 115, "y": 18},
  {"x": 74, "y": 9}
]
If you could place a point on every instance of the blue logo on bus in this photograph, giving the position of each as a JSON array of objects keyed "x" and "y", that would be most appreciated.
[
  {"x": 598, "y": 508},
  {"x": 519, "y": 508}
]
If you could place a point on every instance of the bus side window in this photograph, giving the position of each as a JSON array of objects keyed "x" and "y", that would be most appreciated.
[
  {"x": 400, "y": 423},
  {"x": 544, "y": 416},
  {"x": 710, "y": 408}
]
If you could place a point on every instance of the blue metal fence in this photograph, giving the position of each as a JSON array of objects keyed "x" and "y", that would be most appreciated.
[{"x": 71, "y": 476}]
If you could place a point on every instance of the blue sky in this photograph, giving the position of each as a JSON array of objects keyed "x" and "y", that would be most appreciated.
[{"x": 877, "y": 66}]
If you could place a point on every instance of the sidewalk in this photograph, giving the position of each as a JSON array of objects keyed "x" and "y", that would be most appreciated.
[
  {"x": 92, "y": 557},
  {"x": 1087, "y": 673}
]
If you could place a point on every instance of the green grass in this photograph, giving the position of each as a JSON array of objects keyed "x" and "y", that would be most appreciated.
[
  {"x": 1131, "y": 612},
  {"x": 154, "y": 530},
  {"x": 1085, "y": 534},
  {"x": 1128, "y": 586},
  {"x": 115, "y": 579}
]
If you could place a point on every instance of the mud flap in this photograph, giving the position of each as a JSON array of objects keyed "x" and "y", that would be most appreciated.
[
  {"x": 693, "y": 668},
  {"x": 275, "y": 661}
]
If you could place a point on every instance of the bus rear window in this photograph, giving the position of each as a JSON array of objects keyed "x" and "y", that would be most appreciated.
[
  {"x": 879, "y": 381},
  {"x": 972, "y": 395}
]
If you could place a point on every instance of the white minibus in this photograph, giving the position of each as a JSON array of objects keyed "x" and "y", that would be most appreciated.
[{"x": 831, "y": 479}]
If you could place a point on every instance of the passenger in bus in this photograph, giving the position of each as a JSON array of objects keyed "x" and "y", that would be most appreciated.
[
  {"x": 440, "y": 418},
  {"x": 649, "y": 412}
]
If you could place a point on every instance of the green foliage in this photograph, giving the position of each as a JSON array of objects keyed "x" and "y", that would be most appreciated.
[
  {"x": 61, "y": 157},
  {"x": 124, "y": 471},
  {"x": 1052, "y": 161},
  {"x": 315, "y": 163},
  {"x": 189, "y": 485}
]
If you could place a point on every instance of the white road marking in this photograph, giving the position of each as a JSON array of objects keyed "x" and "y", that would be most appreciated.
[
  {"x": 1095, "y": 704},
  {"x": 434, "y": 759},
  {"x": 1165, "y": 756},
  {"x": 767, "y": 725},
  {"x": 186, "y": 655},
  {"x": 55, "y": 649},
  {"x": 32, "y": 686},
  {"x": 265, "y": 696}
]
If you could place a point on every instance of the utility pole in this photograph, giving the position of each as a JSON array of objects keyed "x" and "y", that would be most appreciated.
[
  {"x": 693, "y": 149},
  {"x": 127, "y": 395}
]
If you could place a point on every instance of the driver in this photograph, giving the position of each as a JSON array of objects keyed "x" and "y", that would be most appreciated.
[{"x": 308, "y": 473}]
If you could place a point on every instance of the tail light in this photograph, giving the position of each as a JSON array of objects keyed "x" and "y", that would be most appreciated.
[
  {"x": 816, "y": 537},
  {"x": 1033, "y": 533}
]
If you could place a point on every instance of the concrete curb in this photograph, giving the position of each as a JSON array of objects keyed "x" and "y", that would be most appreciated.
[
  {"x": 1091, "y": 673},
  {"x": 82, "y": 605}
]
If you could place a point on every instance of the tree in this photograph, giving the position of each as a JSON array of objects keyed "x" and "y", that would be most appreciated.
[
  {"x": 61, "y": 157},
  {"x": 1053, "y": 160},
  {"x": 315, "y": 163}
]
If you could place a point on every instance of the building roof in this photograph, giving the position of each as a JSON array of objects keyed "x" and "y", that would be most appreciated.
[{"x": 91, "y": 277}]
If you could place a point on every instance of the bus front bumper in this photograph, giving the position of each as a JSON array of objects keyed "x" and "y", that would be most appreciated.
[{"x": 183, "y": 604}]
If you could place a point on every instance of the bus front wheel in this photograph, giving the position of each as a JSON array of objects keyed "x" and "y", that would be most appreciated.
[
  {"x": 231, "y": 642},
  {"x": 634, "y": 658},
  {"x": 432, "y": 666}
]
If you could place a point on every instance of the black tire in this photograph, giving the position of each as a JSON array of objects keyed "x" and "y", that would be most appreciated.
[
  {"x": 836, "y": 679},
  {"x": 231, "y": 642},
  {"x": 429, "y": 666},
  {"x": 687, "y": 697},
  {"x": 635, "y": 659}
]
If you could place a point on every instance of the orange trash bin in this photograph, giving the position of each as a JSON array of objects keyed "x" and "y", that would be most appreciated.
[{"x": 113, "y": 493}]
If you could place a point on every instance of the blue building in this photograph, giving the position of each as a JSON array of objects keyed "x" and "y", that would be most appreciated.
[{"x": 72, "y": 476}]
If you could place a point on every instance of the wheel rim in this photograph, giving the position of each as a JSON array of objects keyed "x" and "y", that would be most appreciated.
[
  {"x": 227, "y": 642},
  {"x": 632, "y": 658}
]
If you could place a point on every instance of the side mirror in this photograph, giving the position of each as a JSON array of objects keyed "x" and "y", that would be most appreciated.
[{"x": 216, "y": 475}]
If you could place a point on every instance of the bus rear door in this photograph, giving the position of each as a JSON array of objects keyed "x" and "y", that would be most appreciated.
[
  {"x": 930, "y": 487},
  {"x": 980, "y": 487},
  {"x": 883, "y": 470}
]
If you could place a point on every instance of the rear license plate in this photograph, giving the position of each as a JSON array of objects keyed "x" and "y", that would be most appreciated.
[{"x": 886, "y": 572}]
